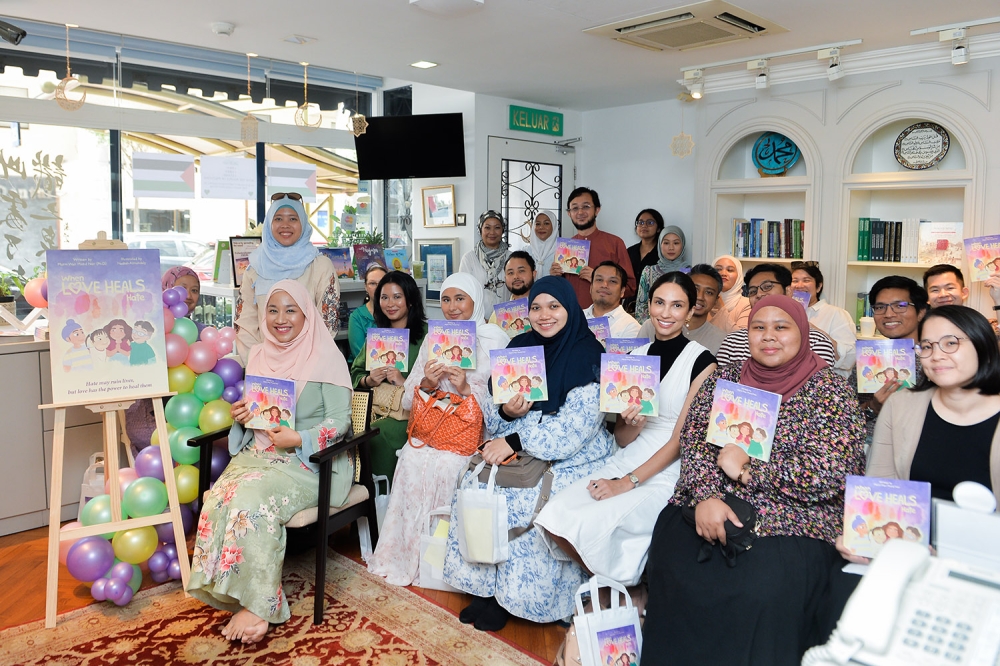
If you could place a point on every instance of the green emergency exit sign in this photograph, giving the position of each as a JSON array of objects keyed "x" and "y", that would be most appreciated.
[{"x": 525, "y": 119}]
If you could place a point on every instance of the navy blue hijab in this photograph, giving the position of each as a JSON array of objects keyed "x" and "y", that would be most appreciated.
[{"x": 573, "y": 355}]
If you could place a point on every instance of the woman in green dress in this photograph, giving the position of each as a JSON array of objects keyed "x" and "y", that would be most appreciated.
[
  {"x": 240, "y": 541},
  {"x": 363, "y": 317},
  {"x": 397, "y": 305}
]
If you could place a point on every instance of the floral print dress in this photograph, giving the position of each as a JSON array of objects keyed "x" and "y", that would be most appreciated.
[{"x": 240, "y": 543}]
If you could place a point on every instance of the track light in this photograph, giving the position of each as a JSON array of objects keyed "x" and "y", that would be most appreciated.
[
  {"x": 697, "y": 90},
  {"x": 835, "y": 70},
  {"x": 959, "y": 54},
  {"x": 694, "y": 82},
  {"x": 762, "y": 81}
]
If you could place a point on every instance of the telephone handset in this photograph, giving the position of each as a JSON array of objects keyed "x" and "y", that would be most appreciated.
[{"x": 911, "y": 609}]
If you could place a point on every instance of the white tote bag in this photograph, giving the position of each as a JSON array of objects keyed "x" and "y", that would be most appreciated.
[
  {"x": 482, "y": 521},
  {"x": 604, "y": 635},
  {"x": 381, "y": 505},
  {"x": 432, "y": 549}
]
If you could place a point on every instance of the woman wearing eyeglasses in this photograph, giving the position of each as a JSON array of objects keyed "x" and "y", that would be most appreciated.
[
  {"x": 486, "y": 261},
  {"x": 285, "y": 253},
  {"x": 648, "y": 227}
]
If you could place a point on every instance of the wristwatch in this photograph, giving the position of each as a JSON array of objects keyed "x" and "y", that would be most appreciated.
[{"x": 634, "y": 479}]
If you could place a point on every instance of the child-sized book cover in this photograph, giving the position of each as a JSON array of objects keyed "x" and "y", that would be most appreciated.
[
  {"x": 105, "y": 316},
  {"x": 601, "y": 328},
  {"x": 366, "y": 255},
  {"x": 519, "y": 370},
  {"x": 876, "y": 510},
  {"x": 983, "y": 255},
  {"x": 619, "y": 646},
  {"x": 271, "y": 402},
  {"x": 881, "y": 361},
  {"x": 802, "y": 297},
  {"x": 623, "y": 345},
  {"x": 452, "y": 342},
  {"x": 386, "y": 347},
  {"x": 628, "y": 380},
  {"x": 512, "y": 316},
  {"x": 939, "y": 243},
  {"x": 341, "y": 258},
  {"x": 743, "y": 416},
  {"x": 397, "y": 259},
  {"x": 572, "y": 254}
]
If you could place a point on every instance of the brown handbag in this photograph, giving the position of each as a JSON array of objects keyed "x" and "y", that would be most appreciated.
[{"x": 445, "y": 421}]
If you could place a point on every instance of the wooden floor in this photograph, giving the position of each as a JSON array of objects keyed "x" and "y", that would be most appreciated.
[{"x": 22, "y": 591}]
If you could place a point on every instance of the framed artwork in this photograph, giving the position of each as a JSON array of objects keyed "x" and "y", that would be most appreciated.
[
  {"x": 460, "y": 219},
  {"x": 439, "y": 205},
  {"x": 240, "y": 247},
  {"x": 439, "y": 256}
]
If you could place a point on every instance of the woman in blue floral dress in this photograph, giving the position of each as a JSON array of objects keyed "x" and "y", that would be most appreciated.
[
  {"x": 568, "y": 430},
  {"x": 240, "y": 541}
]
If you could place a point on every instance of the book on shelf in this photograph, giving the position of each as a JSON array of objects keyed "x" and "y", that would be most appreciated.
[
  {"x": 877, "y": 509},
  {"x": 397, "y": 258},
  {"x": 744, "y": 416},
  {"x": 758, "y": 238},
  {"x": 908, "y": 241},
  {"x": 627, "y": 380},
  {"x": 881, "y": 361},
  {"x": 983, "y": 255},
  {"x": 518, "y": 370},
  {"x": 341, "y": 258},
  {"x": 940, "y": 243}
]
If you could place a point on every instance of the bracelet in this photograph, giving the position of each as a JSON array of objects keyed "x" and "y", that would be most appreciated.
[
  {"x": 743, "y": 470},
  {"x": 996, "y": 308}
]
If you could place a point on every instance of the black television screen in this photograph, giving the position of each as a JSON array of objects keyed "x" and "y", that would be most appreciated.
[{"x": 423, "y": 146}]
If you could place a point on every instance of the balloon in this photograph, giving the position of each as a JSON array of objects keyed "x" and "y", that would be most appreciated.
[
  {"x": 182, "y": 293},
  {"x": 209, "y": 334},
  {"x": 178, "y": 310},
  {"x": 177, "y": 349},
  {"x": 170, "y": 550},
  {"x": 45, "y": 290},
  {"x": 165, "y": 531},
  {"x": 230, "y": 370},
  {"x": 171, "y": 297},
  {"x": 186, "y": 477},
  {"x": 82, "y": 303},
  {"x": 215, "y": 416},
  {"x": 208, "y": 386},
  {"x": 201, "y": 357},
  {"x": 114, "y": 589},
  {"x": 174, "y": 569},
  {"x": 33, "y": 293},
  {"x": 97, "y": 589},
  {"x": 182, "y": 410},
  {"x": 180, "y": 379},
  {"x": 168, "y": 320},
  {"x": 149, "y": 463},
  {"x": 179, "y": 449},
  {"x": 154, "y": 439},
  {"x": 64, "y": 546},
  {"x": 89, "y": 558},
  {"x": 186, "y": 328},
  {"x": 122, "y": 571},
  {"x": 239, "y": 386},
  {"x": 227, "y": 333},
  {"x": 220, "y": 459},
  {"x": 223, "y": 347},
  {"x": 158, "y": 562},
  {"x": 145, "y": 497},
  {"x": 135, "y": 545},
  {"x": 96, "y": 512},
  {"x": 136, "y": 580},
  {"x": 231, "y": 394},
  {"x": 126, "y": 475},
  {"x": 125, "y": 597},
  {"x": 159, "y": 576}
]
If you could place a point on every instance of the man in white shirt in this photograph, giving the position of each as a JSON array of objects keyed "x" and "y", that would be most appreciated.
[
  {"x": 519, "y": 275},
  {"x": 835, "y": 322},
  {"x": 607, "y": 287}
]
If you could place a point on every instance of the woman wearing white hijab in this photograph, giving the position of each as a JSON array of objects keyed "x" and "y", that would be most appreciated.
[
  {"x": 733, "y": 312},
  {"x": 543, "y": 241},
  {"x": 426, "y": 477}
]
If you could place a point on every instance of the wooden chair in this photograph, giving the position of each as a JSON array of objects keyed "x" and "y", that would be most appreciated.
[{"x": 360, "y": 500}]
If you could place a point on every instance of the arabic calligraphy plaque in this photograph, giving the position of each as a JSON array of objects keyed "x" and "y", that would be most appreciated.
[
  {"x": 774, "y": 154},
  {"x": 922, "y": 145}
]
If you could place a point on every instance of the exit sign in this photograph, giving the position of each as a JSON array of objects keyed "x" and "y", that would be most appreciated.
[{"x": 536, "y": 120}]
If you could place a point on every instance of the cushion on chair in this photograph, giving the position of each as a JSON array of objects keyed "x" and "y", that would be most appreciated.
[{"x": 357, "y": 495}]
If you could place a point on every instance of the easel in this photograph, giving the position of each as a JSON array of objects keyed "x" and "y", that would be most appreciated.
[{"x": 111, "y": 411}]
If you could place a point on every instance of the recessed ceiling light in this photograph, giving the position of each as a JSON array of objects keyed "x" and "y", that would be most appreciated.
[
  {"x": 423, "y": 64},
  {"x": 299, "y": 39}
]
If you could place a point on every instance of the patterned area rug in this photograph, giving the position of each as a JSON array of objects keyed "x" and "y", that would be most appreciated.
[{"x": 367, "y": 622}]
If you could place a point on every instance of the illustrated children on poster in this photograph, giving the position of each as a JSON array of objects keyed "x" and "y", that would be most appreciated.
[
  {"x": 78, "y": 357},
  {"x": 743, "y": 416},
  {"x": 452, "y": 342},
  {"x": 518, "y": 371},
  {"x": 572, "y": 254},
  {"x": 142, "y": 353},
  {"x": 877, "y": 510},
  {"x": 983, "y": 255},
  {"x": 627, "y": 380}
]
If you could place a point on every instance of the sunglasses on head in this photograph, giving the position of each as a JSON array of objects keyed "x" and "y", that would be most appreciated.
[
  {"x": 804, "y": 264},
  {"x": 286, "y": 195}
]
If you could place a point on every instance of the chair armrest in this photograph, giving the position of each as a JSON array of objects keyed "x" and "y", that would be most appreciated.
[
  {"x": 343, "y": 445},
  {"x": 208, "y": 438}
]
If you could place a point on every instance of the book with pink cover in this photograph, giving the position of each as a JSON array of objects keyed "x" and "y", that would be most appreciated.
[
  {"x": 623, "y": 345},
  {"x": 877, "y": 509},
  {"x": 512, "y": 316},
  {"x": 630, "y": 379},
  {"x": 881, "y": 361},
  {"x": 743, "y": 416},
  {"x": 452, "y": 342},
  {"x": 271, "y": 402},
  {"x": 386, "y": 347},
  {"x": 518, "y": 370},
  {"x": 600, "y": 327},
  {"x": 572, "y": 254},
  {"x": 983, "y": 255}
]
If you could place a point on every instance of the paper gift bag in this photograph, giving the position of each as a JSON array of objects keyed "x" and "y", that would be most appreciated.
[{"x": 432, "y": 550}]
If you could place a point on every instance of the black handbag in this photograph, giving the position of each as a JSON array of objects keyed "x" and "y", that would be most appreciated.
[{"x": 738, "y": 539}]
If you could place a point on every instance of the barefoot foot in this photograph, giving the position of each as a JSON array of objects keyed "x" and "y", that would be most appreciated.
[{"x": 246, "y": 627}]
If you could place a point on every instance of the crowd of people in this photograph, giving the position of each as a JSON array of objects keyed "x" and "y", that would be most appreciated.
[{"x": 638, "y": 499}]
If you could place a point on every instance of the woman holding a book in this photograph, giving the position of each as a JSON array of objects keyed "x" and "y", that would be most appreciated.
[
  {"x": 566, "y": 430},
  {"x": 773, "y": 593},
  {"x": 363, "y": 318},
  {"x": 286, "y": 252},
  {"x": 397, "y": 305},
  {"x": 672, "y": 248},
  {"x": 240, "y": 539},
  {"x": 486, "y": 261},
  {"x": 543, "y": 241},
  {"x": 425, "y": 476},
  {"x": 734, "y": 310}
]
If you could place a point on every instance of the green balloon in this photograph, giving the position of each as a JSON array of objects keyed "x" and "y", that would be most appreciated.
[
  {"x": 209, "y": 386},
  {"x": 146, "y": 496},
  {"x": 98, "y": 511},
  {"x": 179, "y": 449},
  {"x": 215, "y": 416},
  {"x": 185, "y": 328},
  {"x": 182, "y": 410}
]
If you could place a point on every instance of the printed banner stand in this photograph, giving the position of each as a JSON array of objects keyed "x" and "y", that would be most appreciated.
[{"x": 110, "y": 410}]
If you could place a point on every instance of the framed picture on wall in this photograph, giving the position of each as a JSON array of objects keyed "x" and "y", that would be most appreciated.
[
  {"x": 439, "y": 256},
  {"x": 240, "y": 248},
  {"x": 439, "y": 205}
]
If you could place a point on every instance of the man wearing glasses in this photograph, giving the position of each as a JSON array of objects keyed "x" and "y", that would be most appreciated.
[
  {"x": 583, "y": 205},
  {"x": 761, "y": 280}
]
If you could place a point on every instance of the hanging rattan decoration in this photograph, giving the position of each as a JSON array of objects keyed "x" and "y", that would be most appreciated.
[
  {"x": 60, "y": 94},
  {"x": 359, "y": 124},
  {"x": 682, "y": 144},
  {"x": 306, "y": 118}
]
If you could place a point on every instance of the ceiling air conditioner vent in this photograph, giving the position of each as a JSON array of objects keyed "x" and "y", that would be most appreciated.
[{"x": 681, "y": 28}]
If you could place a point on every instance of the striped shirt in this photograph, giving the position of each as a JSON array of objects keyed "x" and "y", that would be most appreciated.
[{"x": 736, "y": 347}]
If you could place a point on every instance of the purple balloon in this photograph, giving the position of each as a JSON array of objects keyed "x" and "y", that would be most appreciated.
[
  {"x": 97, "y": 589},
  {"x": 182, "y": 293},
  {"x": 239, "y": 386},
  {"x": 115, "y": 588},
  {"x": 45, "y": 289},
  {"x": 165, "y": 531},
  {"x": 158, "y": 562},
  {"x": 90, "y": 558},
  {"x": 220, "y": 459},
  {"x": 174, "y": 569},
  {"x": 149, "y": 463},
  {"x": 159, "y": 576},
  {"x": 230, "y": 370},
  {"x": 171, "y": 297},
  {"x": 179, "y": 309},
  {"x": 122, "y": 570},
  {"x": 196, "y": 505},
  {"x": 231, "y": 394},
  {"x": 126, "y": 597},
  {"x": 170, "y": 550}
]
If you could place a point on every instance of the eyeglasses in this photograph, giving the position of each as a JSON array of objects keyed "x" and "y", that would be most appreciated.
[
  {"x": 804, "y": 264},
  {"x": 764, "y": 287},
  {"x": 583, "y": 207},
  {"x": 899, "y": 307},
  {"x": 948, "y": 344},
  {"x": 642, "y": 223},
  {"x": 290, "y": 195}
]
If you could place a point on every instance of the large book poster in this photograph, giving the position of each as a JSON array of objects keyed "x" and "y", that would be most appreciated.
[{"x": 106, "y": 324}]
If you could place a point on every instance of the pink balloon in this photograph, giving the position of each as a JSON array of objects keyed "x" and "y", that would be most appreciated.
[
  {"x": 177, "y": 350},
  {"x": 223, "y": 347},
  {"x": 201, "y": 357},
  {"x": 64, "y": 546},
  {"x": 227, "y": 333},
  {"x": 168, "y": 320},
  {"x": 126, "y": 476},
  {"x": 209, "y": 334}
]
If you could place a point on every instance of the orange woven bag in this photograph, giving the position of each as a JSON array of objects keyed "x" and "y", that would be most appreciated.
[{"x": 445, "y": 421}]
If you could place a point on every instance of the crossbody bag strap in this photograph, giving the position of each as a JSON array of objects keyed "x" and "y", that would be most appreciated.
[{"x": 543, "y": 498}]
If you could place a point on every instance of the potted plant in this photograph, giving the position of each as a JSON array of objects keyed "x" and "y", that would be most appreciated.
[{"x": 11, "y": 286}]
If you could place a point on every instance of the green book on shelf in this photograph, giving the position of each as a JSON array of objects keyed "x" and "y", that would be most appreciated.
[{"x": 861, "y": 239}]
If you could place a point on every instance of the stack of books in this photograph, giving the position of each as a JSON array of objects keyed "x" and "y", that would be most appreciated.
[
  {"x": 909, "y": 241},
  {"x": 760, "y": 238}
]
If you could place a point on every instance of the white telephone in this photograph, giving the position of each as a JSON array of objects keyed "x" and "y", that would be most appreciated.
[{"x": 914, "y": 610}]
